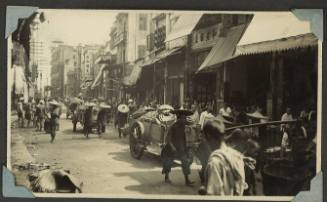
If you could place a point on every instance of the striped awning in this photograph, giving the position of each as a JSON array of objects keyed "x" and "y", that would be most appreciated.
[
  {"x": 275, "y": 31},
  {"x": 132, "y": 78}
]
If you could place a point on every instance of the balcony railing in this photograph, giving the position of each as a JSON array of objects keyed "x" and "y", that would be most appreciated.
[{"x": 120, "y": 37}]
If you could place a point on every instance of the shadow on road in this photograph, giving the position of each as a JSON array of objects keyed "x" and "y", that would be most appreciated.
[
  {"x": 148, "y": 161},
  {"x": 152, "y": 182}
]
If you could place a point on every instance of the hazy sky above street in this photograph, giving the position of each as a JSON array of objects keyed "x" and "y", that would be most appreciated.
[{"x": 78, "y": 26}]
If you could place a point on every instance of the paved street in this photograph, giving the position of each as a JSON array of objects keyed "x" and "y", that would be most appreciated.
[{"x": 103, "y": 164}]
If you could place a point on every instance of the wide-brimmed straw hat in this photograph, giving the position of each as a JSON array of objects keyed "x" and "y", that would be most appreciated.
[
  {"x": 166, "y": 107},
  {"x": 123, "y": 108},
  {"x": 256, "y": 115},
  {"x": 90, "y": 104},
  {"x": 104, "y": 106}
]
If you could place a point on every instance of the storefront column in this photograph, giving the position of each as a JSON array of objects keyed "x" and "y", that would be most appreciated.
[
  {"x": 185, "y": 93},
  {"x": 272, "y": 100},
  {"x": 165, "y": 82},
  {"x": 219, "y": 88},
  {"x": 280, "y": 86}
]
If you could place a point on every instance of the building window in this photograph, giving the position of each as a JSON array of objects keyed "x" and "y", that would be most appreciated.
[
  {"x": 214, "y": 33},
  {"x": 141, "y": 51},
  {"x": 143, "y": 22},
  {"x": 235, "y": 20}
]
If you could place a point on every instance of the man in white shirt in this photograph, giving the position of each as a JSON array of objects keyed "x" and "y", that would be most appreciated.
[
  {"x": 225, "y": 111},
  {"x": 287, "y": 116},
  {"x": 208, "y": 113}
]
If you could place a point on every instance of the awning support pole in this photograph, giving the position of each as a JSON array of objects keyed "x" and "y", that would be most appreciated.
[{"x": 165, "y": 82}]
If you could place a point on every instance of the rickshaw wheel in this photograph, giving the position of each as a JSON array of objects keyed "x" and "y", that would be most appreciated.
[{"x": 135, "y": 146}]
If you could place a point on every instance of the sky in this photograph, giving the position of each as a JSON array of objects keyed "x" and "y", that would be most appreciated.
[{"x": 78, "y": 26}]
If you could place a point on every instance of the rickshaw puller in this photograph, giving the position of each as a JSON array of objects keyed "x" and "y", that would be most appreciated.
[{"x": 176, "y": 148}]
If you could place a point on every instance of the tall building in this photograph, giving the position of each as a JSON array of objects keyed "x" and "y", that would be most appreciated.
[
  {"x": 128, "y": 42},
  {"x": 39, "y": 55},
  {"x": 63, "y": 62}
]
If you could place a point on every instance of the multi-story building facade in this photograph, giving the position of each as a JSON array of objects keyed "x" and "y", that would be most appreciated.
[
  {"x": 63, "y": 63},
  {"x": 128, "y": 42}
]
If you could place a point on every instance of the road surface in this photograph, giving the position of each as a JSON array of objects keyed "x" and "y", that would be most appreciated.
[{"x": 104, "y": 165}]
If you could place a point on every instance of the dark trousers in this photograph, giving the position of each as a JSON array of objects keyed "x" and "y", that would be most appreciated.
[{"x": 186, "y": 159}]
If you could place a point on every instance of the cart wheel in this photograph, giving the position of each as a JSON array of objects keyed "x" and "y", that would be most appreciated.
[{"x": 135, "y": 146}]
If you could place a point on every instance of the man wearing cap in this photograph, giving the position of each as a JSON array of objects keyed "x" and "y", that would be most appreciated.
[
  {"x": 121, "y": 118},
  {"x": 54, "y": 120},
  {"x": 39, "y": 115},
  {"x": 20, "y": 112},
  {"x": 224, "y": 174},
  {"x": 176, "y": 147}
]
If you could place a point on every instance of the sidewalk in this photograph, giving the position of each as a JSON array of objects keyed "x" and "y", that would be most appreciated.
[{"x": 19, "y": 156}]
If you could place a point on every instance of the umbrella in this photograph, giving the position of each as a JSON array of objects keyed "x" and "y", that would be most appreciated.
[
  {"x": 257, "y": 115},
  {"x": 54, "y": 181},
  {"x": 123, "y": 108}
]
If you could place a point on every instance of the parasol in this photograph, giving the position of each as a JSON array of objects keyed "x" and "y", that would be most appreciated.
[
  {"x": 52, "y": 181},
  {"x": 123, "y": 108}
]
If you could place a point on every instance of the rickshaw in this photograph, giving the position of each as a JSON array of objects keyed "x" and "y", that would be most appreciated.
[{"x": 149, "y": 128}]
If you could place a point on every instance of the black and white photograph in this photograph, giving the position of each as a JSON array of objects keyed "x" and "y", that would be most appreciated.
[{"x": 164, "y": 104}]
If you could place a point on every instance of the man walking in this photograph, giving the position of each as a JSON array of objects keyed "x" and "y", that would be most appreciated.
[
  {"x": 176, "y": 147},
  {"x": 20, "y": 112},
  {"x": 225, "y": 173}
]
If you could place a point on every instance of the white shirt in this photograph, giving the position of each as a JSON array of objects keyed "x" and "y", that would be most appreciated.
[
  {"x": 225, "y": 112},
  {"x": 205, "y": 115},
  {"x": 286, "y": 117}
]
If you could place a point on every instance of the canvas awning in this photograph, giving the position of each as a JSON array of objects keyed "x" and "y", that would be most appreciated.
[
  {"x": 86, "y": 84},
  {"x": 97, "y": 80},
  {"x": 279, "y": 31},
  {"x": 224, "y": 49},
  {"x": 162, "y": 55},
  {"x": 133, "y": 77},
  {"x": 184, "y": 26}
]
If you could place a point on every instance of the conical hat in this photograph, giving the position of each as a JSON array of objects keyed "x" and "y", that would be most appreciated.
[
  {"x": 256, "y": 115},
  {"x": 123, "y": 108},
  {"x": 166, "y": 107}
]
